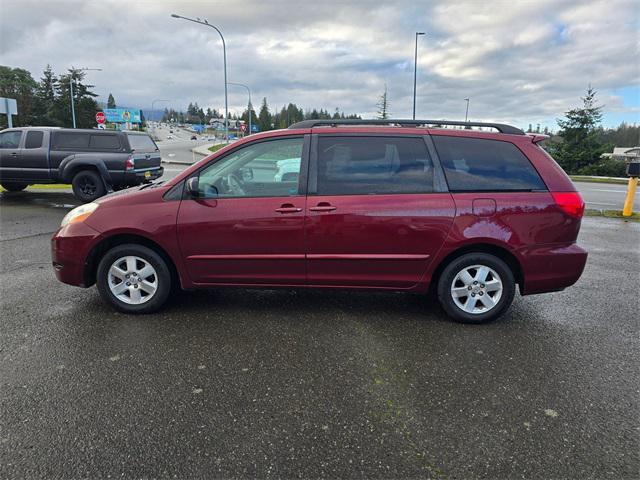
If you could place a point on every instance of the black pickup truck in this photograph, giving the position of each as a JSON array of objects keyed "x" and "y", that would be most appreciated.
[{"x": 93, "y": 161}]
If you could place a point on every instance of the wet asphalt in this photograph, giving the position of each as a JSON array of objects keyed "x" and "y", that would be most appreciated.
[{"x": 289, "y": 384}]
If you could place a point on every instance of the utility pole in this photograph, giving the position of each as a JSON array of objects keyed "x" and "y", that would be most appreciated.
[
  {"x": 466, "y": 115},
  {"x": 415, "y": 73}
]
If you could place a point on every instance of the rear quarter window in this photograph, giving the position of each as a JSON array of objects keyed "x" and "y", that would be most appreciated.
[
  {"x": 34, "y": 139},
  {"x": 104, "y": 142},
  {"x": 476, "y": 164},
  {"x": 142, "y": 143},
  {"x": 70, "y": 141}
]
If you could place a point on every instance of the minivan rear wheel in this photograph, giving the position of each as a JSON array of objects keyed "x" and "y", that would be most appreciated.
[
  {"x": 88, "y": 186},
  {"x": 476, "y": 288},
  {"x": 134, "y": 279}
]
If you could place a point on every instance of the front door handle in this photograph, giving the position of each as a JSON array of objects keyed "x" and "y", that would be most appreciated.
[
  {"x": 288, "y": 208},
  {"x": 323, "y": 207},
  {"x": 14, "y": 154}
]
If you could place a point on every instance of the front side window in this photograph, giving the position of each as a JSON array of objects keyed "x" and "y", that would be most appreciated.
[
  {"x": 264, "y": 169},
  {"x": 373, "y": 165},
  {"x": 10, "y": 139},
  {"x": 70, "y": 141},
  {"x": 34, "y": 139},
  {"x": 476, "y": 164}
]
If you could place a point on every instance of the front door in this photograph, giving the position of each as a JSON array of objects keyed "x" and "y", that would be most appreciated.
[
  {"x": 247, "y": 224},
  {"x": 373, "y": 216},
  {"x": 10, "y": 166}
]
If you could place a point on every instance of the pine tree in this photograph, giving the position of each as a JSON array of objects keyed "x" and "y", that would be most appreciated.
[
  {"x": 45, "y": 98},
  {"x": 383, "y": 105},
  {"x": 264, "y": 117},
  {"x": 581, "y": 145},
  {"x": 111, "y": 102}
]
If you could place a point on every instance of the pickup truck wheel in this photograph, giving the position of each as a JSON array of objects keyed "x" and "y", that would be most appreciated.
[
  {"x": 88, "y": 185},
  {"x": 134, "y": 279},
  {"x": 476, "y": 288},
  {"x": 14, "y": 187}
]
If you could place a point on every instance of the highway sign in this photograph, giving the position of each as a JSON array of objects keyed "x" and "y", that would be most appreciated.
[{"x": 101, "y": 117}]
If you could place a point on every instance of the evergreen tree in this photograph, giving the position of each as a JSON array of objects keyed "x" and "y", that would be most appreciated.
[
  {"x": 111, "y": 102},
  {"x": 580, "y": 146},
  {"x": 383, "y": 105},
  {"x": 45, "y": 98},
  {"x": 264, "y": 117},
  {"x": 84, "y": 101}
]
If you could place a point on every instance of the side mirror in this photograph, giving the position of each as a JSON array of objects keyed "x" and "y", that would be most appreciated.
[{"x": 192, "y": 187}]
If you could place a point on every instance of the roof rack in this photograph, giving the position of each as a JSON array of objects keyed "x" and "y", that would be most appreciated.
[{"x": 502, "y": 128}]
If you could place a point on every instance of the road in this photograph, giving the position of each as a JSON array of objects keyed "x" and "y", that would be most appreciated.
[{"x": 246, "y": 383}]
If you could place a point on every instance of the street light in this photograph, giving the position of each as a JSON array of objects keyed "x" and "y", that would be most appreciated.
[
  {"x": 224, "y": 53},
  {"x": 466, "y": 115},
  {"x": 71, "y": 80},
  {"x": 250, "y": 105},
  {"x": 415, "y": 73},
  {"x": 152, "y": 104}
]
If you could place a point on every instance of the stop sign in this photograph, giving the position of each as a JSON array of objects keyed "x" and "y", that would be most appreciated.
[
  {"x": 100, "y": 117},
  {"x": 243, "y": 127}
]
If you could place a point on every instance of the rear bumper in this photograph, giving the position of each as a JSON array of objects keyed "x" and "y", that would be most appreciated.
[
  {"x": 70, "y": 247},
  {"x": 549, "y": 268},
  {"x": 142, "y": 175}
]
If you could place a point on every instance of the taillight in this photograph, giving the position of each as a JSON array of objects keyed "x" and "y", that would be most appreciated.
[
  {"x": 129, "y": 164},
  {"x": 571, "y": 203}
]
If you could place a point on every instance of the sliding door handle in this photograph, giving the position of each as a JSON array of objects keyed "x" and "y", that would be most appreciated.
[{"x": 323, "y": 207}]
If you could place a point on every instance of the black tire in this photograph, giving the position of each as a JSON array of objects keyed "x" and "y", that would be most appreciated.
[
  {"x": 88, "y": 186},
  {"x": 445, "y": 284},
  {"x": 14, "y": 187},
  {"x": 162, "y": 277}
]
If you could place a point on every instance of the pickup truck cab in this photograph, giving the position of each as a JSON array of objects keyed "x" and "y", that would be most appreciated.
[{"x": 93, "y": 161}]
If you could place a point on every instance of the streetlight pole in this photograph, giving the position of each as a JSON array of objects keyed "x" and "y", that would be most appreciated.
[
  {"x": 71, "y": 80},
  {"x": 224, "y": 53},
  {"x": 466, "y": 115},
  {"x": 250, "y": 105},
  {"x": 415, "y": 72}
]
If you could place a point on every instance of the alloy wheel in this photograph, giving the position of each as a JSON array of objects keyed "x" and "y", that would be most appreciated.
[
  {"x": 132, "y": 280},
  {"x": 476, "y": 289}
]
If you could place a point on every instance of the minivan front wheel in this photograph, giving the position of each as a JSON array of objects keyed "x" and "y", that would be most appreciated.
[
  {"x": 476, "y": 288},
  {"x": 134, "y": 279}
]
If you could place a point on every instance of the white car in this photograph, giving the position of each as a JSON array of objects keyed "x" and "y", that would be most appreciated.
[
  {"x": 288, "y": 170},
  {"x": 169, "y": 137}
]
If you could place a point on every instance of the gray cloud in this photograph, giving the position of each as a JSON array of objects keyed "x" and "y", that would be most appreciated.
[{"x": 521, "y": 62}]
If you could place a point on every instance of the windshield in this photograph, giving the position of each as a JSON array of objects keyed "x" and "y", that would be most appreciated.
[{"x": 142, "y": 143}]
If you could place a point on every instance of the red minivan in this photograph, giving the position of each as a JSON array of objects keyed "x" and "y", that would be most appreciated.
[{"x": 394, "y": 204}]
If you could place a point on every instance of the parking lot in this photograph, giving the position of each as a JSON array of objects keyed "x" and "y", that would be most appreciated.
[{"x": 247, "y": 383}]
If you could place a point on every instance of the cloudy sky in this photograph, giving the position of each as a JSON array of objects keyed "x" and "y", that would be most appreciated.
[{"x": 518, "y": 61}]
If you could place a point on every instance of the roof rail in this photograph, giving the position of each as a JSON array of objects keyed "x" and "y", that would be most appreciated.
[{"x": 502, "y": 128}]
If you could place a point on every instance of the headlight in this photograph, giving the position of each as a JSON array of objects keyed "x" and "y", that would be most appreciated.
[{"x": 79, "y": 214}]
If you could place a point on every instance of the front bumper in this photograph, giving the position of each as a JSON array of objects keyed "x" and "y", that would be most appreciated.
[
  {"x": 70, "y": 248},
  {"x": 549, "y": 268}
]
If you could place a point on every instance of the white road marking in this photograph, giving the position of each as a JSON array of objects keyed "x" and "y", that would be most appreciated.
[
  {"x": 600, "y": 203},
  {"x": 608, "y": 191}
]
